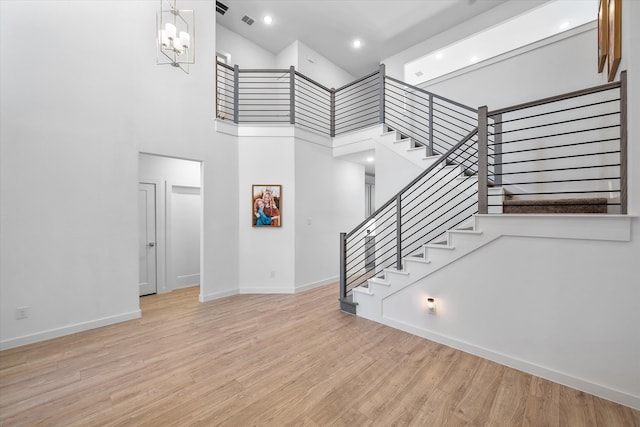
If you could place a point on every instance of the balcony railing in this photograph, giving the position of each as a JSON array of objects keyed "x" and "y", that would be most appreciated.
[{"x": 568, "y": 150}]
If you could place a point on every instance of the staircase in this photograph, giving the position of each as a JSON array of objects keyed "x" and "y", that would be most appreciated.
[
  {"x": 407, "y": 148},
  {"x": 519, "y": 160}
]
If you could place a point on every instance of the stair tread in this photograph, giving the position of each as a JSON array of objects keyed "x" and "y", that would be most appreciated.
[
  {"x": 439, "y": 245},
  {"x": 396, "y": 271},
  {"x": 550, "y": 206},
  {"x": 464, "y": 231},
  {"x": 591, "y": 201},
  {"x": 417, "y": 259}
]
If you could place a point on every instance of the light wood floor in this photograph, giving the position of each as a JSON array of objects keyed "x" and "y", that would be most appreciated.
[{"x": 274, "y": 360}]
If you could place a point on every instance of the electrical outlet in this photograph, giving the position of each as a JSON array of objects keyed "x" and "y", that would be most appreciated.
[
  {"x": 22, "y": 313},
  {"x": 273, "y": 274}
]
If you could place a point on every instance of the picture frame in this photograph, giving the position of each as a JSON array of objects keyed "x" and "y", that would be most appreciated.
[
  {"x": 614, "y": 50},
  {"x": 266, "y": 205},
  {"x": 603, "y": 34}
]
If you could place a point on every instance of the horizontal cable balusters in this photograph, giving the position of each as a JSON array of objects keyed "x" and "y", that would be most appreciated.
[
  {"x": 561, "y": 151},
  {"x": 225, "y": 92},
  {"x": 444, "y": 196}
]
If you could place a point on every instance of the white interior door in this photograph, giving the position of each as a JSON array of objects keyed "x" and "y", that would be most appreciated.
[{"x": 147, "y": 238}]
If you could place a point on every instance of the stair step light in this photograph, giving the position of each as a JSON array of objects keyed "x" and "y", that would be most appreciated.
[{"x": 431, "y": 304}]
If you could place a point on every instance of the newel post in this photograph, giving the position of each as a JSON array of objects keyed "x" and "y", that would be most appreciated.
[
  {"x": 292, "y": 95},
  {"x": 236, "y": 92},
  {"x": 497, "y": 150},
  {"x": 623, "y": 142},
  {"x": 483, "y": 161},
  {"x": 332, "y": 119},
  {"x": 430, "y": 146},
  {"x": 381, "y": 75},
  {"x": 343, "y": 265},
  {"x": 398, "y": 232}
]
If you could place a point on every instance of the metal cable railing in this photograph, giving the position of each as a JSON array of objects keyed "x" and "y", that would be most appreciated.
[
  {"x": 444, "y": 196},
  {"x": 357, "y": 105},
  {"x": 313, "y": 104},
  {"x": 549, "y": 152},
  {"x": 429, "y": 119},
  {"x": 225, "y": 92},
  {"x": 264, "y": 96},
  {"x": 568, "y": 150}
]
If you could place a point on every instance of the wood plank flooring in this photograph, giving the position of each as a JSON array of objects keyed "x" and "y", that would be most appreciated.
[{"x": 274, "y": 360}]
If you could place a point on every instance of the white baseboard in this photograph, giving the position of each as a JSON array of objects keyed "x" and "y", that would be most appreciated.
[
  {"x": 68, "y": 330},
  {"x": 262, "y": 290},
  {"x": 186, "y": 281},
  {"x": 308, "y": 286},
  {"x": 521, "y": 365},
  {"x": 217, "y": 295}
]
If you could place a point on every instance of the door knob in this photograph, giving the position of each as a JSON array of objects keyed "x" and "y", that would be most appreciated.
[{"x": 151, "y": 244}]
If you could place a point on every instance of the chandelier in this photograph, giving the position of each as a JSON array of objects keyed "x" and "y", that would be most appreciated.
[{"x": 176, "y": 36}]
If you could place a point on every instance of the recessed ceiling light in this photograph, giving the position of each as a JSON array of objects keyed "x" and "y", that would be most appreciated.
[
  {"x": 370, "y": 159},
  {"x": 565, "y": 25},
  {"x": 267, "y": 19},
  {"x": 438, "y": 55},
  {"x": 356, "y": 43},
  {"x": 473, "y": 59}
]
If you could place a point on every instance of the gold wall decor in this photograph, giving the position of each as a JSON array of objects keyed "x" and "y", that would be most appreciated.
[
  {"x": 614, "y": 51},
  {"x": 603, "y": 34}
]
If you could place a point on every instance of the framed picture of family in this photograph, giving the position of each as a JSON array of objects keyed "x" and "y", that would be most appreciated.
[{"x": 266, "y": 205}]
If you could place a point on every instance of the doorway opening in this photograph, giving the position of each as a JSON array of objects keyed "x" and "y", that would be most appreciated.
[{"x": 169, "y": 217}]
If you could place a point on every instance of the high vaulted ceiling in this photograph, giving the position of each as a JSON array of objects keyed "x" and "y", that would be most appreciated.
[{"x": 385, "y": 27}]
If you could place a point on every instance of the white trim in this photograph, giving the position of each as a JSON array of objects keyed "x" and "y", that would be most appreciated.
[
  {"x": 507, "y": 55},
  {"x": 170, "y": 270},
  {"x": 187, "y": 281},
  {"x": 227, "y": 127},
  {"x": 259, "y": 290},
  {"x": 161, "y": 242},
  {"x": 312, "y": 285},
  {"x": 68, "y": 330},
  {"x": 522, "y": 365},
  {"x": 216, "y": 295}
]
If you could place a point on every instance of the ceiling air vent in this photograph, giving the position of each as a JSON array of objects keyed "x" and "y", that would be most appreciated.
[
  {"x": 221, "y": 8},
  {"x": 248, "y": 20}
]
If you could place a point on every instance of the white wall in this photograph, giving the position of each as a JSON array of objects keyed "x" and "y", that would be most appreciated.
[
  {"x": 244, "y": 53},
  {"x": 552, "y": 69},
  {"x": 267, "y": 254},
  {"x": 181, "y": 172},
  {"x": 288, "y": 56},
  {"x": 395, "y": 64},
  {"x": 313, "y": 65},
  {"x": 185, "y": 220},
  {"x": 393, "y": 173},
  {"x": 321, "y": 197},
  {"x": 561, "y": 308},
  {"x": 321, "y": 69},
  {"x": 72, "y": 128},
  {"x": 329, "y": 200},
  {"x": 631, "y": 62}
]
